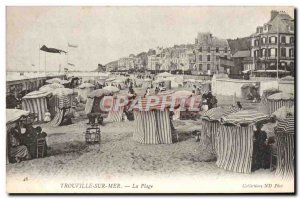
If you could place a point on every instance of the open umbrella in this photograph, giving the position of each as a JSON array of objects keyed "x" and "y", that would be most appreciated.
[
  {"x": 112, "y": 89},
  {"x": 50, "y": 87},
  {"x": 281, "y": 96},
  {"x": 53, "y": 80},
  {"x": 99, "y": 93},
  {"x": 86, "y": 85},
  {"x": 15, "y": 114}
]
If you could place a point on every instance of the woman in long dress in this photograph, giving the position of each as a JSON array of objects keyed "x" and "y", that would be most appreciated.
[{"x": 17, "y": 151}]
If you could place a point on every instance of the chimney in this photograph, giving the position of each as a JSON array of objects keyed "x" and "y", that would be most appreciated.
[{"x": 274, "y": 13}]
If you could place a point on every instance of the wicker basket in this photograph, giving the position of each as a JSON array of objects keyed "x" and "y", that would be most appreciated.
[{"x": 92, "y": 135}]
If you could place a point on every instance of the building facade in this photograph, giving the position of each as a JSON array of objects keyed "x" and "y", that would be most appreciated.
[
  {"x": 272, "y": 45},
  {"x": 208, "y": 50}
]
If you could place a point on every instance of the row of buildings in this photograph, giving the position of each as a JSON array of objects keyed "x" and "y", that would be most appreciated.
[{"x": 269, "y": 52}]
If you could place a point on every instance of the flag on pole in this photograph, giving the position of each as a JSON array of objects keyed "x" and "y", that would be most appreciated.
[
  {"x": 72, "y": 45},
  {"x": 51, "y": 50},
  {"x": 71, "y": 64}
]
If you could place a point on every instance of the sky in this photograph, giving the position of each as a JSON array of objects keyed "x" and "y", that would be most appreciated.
[{"x": 105, "y": 34}]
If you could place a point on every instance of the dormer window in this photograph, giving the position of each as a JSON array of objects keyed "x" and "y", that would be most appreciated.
[{"x": 291, "y": 28}]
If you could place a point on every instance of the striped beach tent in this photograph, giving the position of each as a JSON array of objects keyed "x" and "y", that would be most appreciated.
[
  {"x": 211, "y": 124},
  {"x": 36, "y": 102},
  {"x": 278, "y": 100},
  {"x": 94, "y": 99},
  {"x": 63, "y": 100},
  {"x": 235, "y": 140},
  {"x": 264, "y": 98},
  {"x": 83, "y": 91},
  {"x": 116, "y": 112},
  {"x": 152, "y": 122},
  {"x": 284, "y": 133}
]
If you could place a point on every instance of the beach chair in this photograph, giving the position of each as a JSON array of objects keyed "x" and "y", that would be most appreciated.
[
  {"x": 40, "y": 149},
  {"x": 92, "y": 135}
]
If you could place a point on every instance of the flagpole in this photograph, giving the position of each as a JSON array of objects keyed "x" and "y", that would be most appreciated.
[
  {"x": 39, "y": 58},
  {"x": 45, "y": 64}
]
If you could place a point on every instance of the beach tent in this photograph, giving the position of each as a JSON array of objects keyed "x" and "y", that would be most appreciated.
[
  {"x": 284, "y": 132},
  {"x": 36, "y": 102},
  {"x": 246, "y": 89},
  {"x": 162, "y": 83},
  {"x": 284, "y": 112},
  {"x": 146, "y": 83},
  {"x": 13, "y": 117},
  {"x": 235, "y": 140},
  {"x": 63, "y": 100},
  {"x": 83, "y": 91},
  {"x": 278, "y": 100},
  {"x": 152, "y": 125},
  {"x": 264, "y": 98},
  {"x": 116, "y": 112},
  {"x": 211, "y": 124},
  {"x": 94, "y": 99}
]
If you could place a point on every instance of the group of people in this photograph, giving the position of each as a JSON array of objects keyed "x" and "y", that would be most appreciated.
[{"x": 23, "y": 146}]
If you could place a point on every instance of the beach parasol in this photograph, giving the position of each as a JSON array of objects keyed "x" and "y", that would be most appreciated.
[
  {"x": 86, "y": 85},
  {"x": 15, "y": 114},
  {"x": 112, "y": 89},
  {"x": 50, "y": 87},
  {"x": 99, "y": 93},
  {"x": 53, "y": 80}
]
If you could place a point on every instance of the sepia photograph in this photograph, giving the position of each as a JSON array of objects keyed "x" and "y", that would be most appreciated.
[{"x": 150, "y": 99}]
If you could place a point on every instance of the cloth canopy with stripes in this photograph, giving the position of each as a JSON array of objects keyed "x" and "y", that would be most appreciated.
[
  {"x": 63, "y": 100},
  {"x": 235, "y": 148},
  {"x": 244, "y": 117},
  {"x": 235, "y": 142},
  {"x": 284, "y": 133},
  {"x": 152, "y": 127},
  {"x": 54, "y": 80},
  {"x": 210, "y": 124},
  {"x": 279, "y": 100},
  {"x": 36, "y": 102},
  {"x": 218, "y": 112}
]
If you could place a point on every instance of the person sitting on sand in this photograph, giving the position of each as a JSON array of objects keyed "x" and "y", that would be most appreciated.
[{"x": 17, "y": 151}]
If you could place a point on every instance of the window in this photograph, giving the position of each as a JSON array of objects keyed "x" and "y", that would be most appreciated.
[
  {"x": 217, "y": 57},
  {"x": 264, "y": 52},
  {"x": 292, "y": 40},
  {"x": 273, "y": 52},
  {"x": 208, "y": 66},
  {"x": 225, "y": 49},
  {"x": 283, "y": 39},
  {"x": 208, "y": 49},
  {"x": 283, "y": 52},
  {"x": 208, "y": 57},
  {"x": 200, "y": 57},
  {"x": 263, "y": 40},
  {"x": 265, "y": 27},
  {"x": 217, "y": 49},
  {"x": 272, "y": 40},
  {"x": 291, "y": 52},
  {"x": 200, "y": 49},
  {"x": 200, "y": 67}
]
